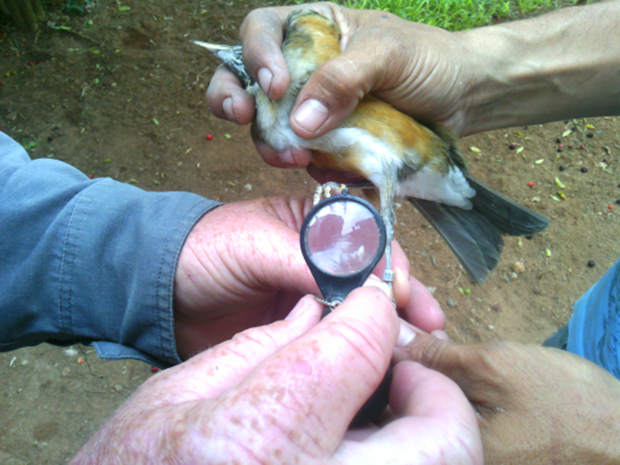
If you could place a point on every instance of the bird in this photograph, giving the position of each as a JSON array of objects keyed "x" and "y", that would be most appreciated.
[{"x": 395, "y": 154}]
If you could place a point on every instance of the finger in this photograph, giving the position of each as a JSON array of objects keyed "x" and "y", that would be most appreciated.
[
  {"x": 436, "y": 425},
  {"x": 261, "y": 36},
  {"x": 316, "y": 384},
  {"x": 440, "y": 334},
  {"x": 227, "y": 99},
  {"x": 423, "y": 311},
  {"x": 208, "y": 374},
  {"x": 289, "y": 158},
  {"x": 422, "y": 392}
]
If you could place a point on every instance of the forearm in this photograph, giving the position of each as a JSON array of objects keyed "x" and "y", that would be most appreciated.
[
  {"x": 88, "y": 261},
  {"x": 565, "y": 64}
]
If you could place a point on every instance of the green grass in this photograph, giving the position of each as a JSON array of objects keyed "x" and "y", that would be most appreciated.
[{"x": 456, "y": 15}]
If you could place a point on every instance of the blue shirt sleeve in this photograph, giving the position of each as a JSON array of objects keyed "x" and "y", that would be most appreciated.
[
  {"x": 594, "y": 328},
  {"x": 89, "y": 261}
]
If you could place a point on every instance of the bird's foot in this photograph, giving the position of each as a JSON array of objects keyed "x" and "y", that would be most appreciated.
[{"x": 325, "y": 190}]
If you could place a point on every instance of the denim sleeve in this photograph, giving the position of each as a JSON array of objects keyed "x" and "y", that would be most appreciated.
[{"x": 89, "y": 261}]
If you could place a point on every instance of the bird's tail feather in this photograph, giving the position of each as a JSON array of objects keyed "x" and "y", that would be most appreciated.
[
  {"x": 475, "y": 235},
  {"x": 508, "y": 216},
  {"x": 475, "y": 241}
]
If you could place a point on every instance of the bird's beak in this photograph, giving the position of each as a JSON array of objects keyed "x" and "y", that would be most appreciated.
[{"x": 212, "y": 47}]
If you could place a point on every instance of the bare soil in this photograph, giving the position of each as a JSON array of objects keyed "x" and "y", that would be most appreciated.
[{"x": 120, "y": 93}]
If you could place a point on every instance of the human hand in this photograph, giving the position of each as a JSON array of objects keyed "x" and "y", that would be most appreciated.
[
  {"x": 287, "y": 392},
  {"x": 536, "y": 405},
  {"x": 420, "y": 70},
  {"x": 241, "y": 266}
]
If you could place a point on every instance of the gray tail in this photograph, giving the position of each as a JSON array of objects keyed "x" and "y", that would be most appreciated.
[{"x": 475, "y": 236}]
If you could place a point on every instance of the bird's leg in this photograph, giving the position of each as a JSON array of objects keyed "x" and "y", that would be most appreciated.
[
  {"x": 386, "y": 196},
  {"x": 325, "y": 190}
]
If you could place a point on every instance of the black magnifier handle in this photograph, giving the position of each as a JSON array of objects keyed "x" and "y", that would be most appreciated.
[{"x": 342, "y": 239}]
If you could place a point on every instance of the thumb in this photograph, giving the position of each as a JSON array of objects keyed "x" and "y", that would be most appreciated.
[{"x": 335, "y": 89}]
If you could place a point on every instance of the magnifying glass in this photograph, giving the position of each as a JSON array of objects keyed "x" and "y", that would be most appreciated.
[{"x": 342, "y": 240}]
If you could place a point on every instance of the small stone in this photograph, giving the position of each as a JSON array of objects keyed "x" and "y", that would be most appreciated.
[
  {"x": 451, "y": 302},
  {"x": 118, "y": 387},
  {"x": 496, "y": 308},
  {"x": 490, "y": 326},
  {"x": 66, "y": 371},
  {"x": 518, "y": 267}
]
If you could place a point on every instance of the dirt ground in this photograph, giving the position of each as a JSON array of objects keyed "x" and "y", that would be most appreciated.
[{"x": 120, "y": 93}]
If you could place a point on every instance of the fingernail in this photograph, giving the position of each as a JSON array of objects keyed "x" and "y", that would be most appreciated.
[
  {"x": 287, "y": 157},
  {"x": 227, "y": 105},
  {"x": 405, "y": 336},
  {"x": 265, "y": 77},
  {"x": 311, "y": 115},
  {"x": 374, "y": 281},
  {"x": 298, "y": 310}
]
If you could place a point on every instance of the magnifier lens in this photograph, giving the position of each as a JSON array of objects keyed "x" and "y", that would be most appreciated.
[{"x": 343, "y": 238}]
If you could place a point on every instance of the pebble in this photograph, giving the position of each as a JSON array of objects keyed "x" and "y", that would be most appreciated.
[
  {"x": 118, "y": 387},
  {"x": 518, "y": 267},
  {"x": 66, "y": 371},
  {"x": 451, "y": 302}
]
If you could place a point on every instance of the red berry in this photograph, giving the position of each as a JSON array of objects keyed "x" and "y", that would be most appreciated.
[
  {"x": 531, "y": 184},
  {"x": 611, "y": 207},
  {"x": 31, "y": 63},
  {"x": 209, "y": 137},
  {"x": 154, "y": 369},
  {"x": 560, "y": 146},
  {"x": 582, "y": 147},
  {"x": 6, "y": 54},
  {"x": 91, "y": 176}
]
